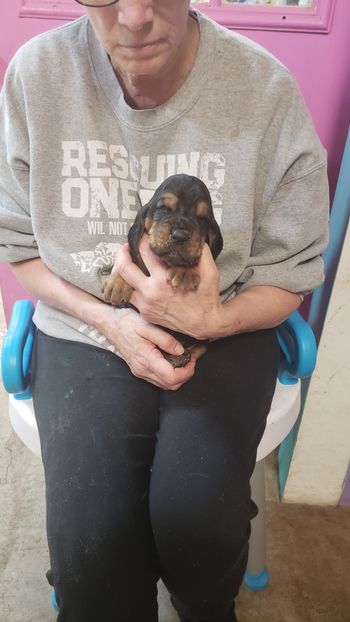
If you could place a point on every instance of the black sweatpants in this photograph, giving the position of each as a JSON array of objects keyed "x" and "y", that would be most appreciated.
[{"x": 143, "y": 483}]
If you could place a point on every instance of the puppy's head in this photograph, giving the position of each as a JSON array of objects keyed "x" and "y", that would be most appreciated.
[{"x": 179, "y": 220}]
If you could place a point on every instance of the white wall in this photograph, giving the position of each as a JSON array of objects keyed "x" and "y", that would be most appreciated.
[{"x": 322, "y": 452}]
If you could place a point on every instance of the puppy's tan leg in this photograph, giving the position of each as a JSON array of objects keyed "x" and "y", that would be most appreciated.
[
  {"x": 197, "y": 351},
  {"x": 183, "y": 278},
  {"x": 116, "y": 290}
]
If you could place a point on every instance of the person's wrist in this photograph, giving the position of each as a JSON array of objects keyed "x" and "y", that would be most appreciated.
[
  {"x": 219, "y": 323},
  {"x": 97, "y": 314},
  {"x": 106, "y": 319}
]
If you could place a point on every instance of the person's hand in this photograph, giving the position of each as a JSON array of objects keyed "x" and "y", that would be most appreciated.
[
  {"x": 138, "y": 343},
  {"x": 196, "y": 312}
]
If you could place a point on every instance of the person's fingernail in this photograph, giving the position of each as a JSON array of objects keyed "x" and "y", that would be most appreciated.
[{"x": 179, "y": 349}]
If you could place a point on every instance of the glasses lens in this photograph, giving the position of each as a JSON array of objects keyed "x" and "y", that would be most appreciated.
[{"x": 96, "y": 3}]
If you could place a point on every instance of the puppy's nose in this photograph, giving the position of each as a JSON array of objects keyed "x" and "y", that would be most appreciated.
[{"x": 180, "y": 235}]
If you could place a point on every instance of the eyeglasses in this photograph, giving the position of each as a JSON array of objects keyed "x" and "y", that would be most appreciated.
[{"x": 97, "y": 3}]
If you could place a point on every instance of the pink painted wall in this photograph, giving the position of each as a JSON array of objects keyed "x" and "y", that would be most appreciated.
[{"x": 320, "y": 63}]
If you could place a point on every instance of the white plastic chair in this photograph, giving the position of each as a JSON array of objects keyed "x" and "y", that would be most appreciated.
[{"x": 298, "y": 359}]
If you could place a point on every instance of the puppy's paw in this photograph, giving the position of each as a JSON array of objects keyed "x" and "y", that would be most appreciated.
[
  {"x": 183, "y": 278},
  {"x": 193, "y": 352},
  {"x": 116, "y": 290}
]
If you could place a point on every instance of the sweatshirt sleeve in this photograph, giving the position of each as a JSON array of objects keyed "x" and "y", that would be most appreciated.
[
  {"x": 286, "y": 251},
  {"x": 292, "y": 232},
  {"x": 17, "y": 241}
]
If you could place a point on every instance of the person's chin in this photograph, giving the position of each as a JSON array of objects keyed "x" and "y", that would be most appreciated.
[
  {"x": 140, "y": 61},
  {"x": 145, "y": 67}
]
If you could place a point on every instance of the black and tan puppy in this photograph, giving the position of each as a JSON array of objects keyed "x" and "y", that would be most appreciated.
[{"x": 179, "y": 219}]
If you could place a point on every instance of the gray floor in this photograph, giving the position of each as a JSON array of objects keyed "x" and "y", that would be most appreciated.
[{"x": 308, "y": 548}]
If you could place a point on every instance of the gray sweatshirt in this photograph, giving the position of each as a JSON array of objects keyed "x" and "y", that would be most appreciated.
[{"x": 74, "y": 155}]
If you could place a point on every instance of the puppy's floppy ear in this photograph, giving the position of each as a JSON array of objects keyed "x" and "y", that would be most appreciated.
[
  {"x": 215, "y": 240},
  {"x": 135, "y": 234},
  {"x": 214, "y": 237}
]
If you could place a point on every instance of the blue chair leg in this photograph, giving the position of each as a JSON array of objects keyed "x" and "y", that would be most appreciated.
[
  {"x": 256, "y": 577},
  {"x": 257, "y": 582},
  {"x": 54, "y": 601}
]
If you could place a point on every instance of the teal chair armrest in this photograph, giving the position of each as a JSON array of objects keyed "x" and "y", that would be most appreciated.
[
  {"x": 17, "y": 350},
  {"x": 295, "y": 336},
  {"x": 298, "y": 349}
]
